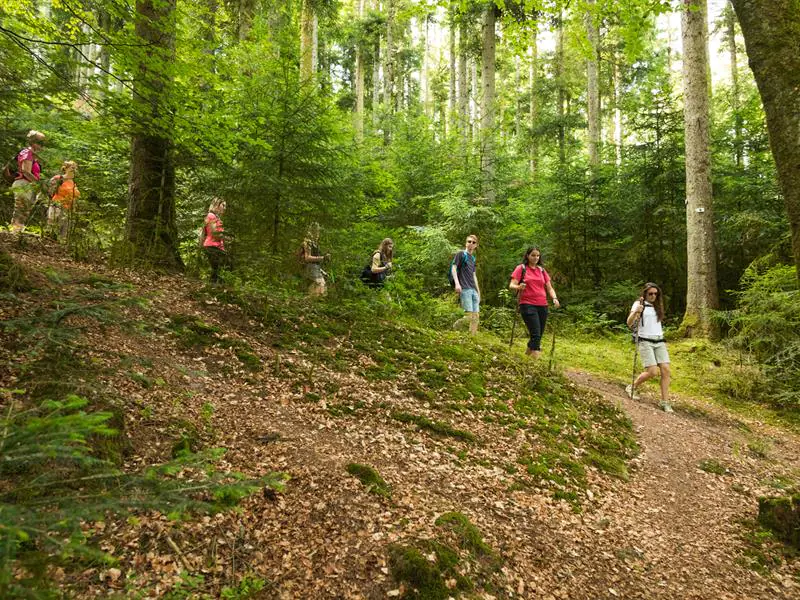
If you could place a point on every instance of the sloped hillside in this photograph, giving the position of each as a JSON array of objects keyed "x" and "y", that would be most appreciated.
[{"x": 421, "y": 464}]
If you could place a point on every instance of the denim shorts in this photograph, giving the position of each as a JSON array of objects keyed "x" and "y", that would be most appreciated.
[
  {"x": 653, "y": 353},
  {"x": 470, "y": 300}
]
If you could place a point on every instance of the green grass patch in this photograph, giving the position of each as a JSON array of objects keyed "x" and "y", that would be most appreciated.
[
  {"x": 437, "y": 427},
  {"x": 711, "y": 465},
  {"x": 370, "y": 478}
]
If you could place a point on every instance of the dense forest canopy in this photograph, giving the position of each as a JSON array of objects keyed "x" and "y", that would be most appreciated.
[{"x": 551, "y": 123}]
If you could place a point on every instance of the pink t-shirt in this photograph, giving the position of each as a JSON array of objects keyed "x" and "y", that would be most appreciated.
[
  {"x": 536, "y": 278},
  {"x": 210, "y": 241},
  {"x": 27, "y": 154}
]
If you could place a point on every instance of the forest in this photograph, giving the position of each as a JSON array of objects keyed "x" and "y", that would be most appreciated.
[{"x": 630, "y": 140}]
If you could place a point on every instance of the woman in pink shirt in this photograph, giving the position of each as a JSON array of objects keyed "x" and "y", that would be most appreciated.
[
  {"x": 26, "y": 185},
  {"x": 532, "y": 284},
  {"x": 214, "y": 244}
]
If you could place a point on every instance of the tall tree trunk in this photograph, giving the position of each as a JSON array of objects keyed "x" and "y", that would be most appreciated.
[
  {"x": 150, "y": 228},
  {"x": 517, "y": 98},
  {"x": 463, "y": 86},
  {"x": 730, "y": 27},
  {"x": 388, "y": 58},
  {"x": 452, "y": 118},
  {"x": 533, "y": 108},
  {"x": 701, "y": 293},
  {"x": 359, "y": 83},
  {"x": 771, "y": 30},
  {"x": 376, "y": 83},
  {"x": 488, "y": 102},
  {"x": 562, "y": 134},
  {"x": 617, "y": 113},
  {"x": 307, "y": 51},
  {"x": 426, "y": 76},
  {"x": 244, "y": 22},
  {"x": 593, "y": 91},
  {"x": 475, "y": 108}
]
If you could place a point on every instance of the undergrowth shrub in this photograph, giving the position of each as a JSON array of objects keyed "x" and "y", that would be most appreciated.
[
  {"x": 51, "y": 483},
  {"x": 766, "y": 325}
]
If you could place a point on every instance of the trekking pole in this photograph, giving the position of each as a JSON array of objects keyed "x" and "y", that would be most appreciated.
[
  {"x": 514, "y": 323},
  {"x": 635, "y": 353},
  {"x": 552, "y": 346}
]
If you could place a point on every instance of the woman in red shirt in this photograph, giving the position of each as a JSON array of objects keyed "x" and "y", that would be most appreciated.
[
  {"x": 25, "y": 186},
  {"x": 214, "y": 243},
  {"x": 532, "y": 284}
]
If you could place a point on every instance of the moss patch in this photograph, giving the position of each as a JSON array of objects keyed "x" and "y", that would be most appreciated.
[
  {"x": 371, "y": 479},
  {"x": 437, "y": 427}
]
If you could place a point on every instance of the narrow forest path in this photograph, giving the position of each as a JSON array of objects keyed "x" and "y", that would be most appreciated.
[{"x": 676, "y": 530}]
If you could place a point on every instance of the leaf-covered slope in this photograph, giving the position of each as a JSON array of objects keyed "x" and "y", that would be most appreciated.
[{"x": 450, "y": 425}]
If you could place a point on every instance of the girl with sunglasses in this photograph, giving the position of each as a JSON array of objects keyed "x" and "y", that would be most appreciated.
[{"x": 647, "y": 314}]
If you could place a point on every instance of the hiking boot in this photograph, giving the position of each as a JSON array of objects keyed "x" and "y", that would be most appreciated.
[
  {"x": 631, "y": 393},
  {"x": 666, "y": 407}
]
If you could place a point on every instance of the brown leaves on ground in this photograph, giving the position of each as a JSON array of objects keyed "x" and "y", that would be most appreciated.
[{"x": 672, "y": 531}]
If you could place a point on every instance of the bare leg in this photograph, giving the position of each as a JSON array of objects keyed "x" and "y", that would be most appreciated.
[
  {"x": 473, "y": 322},
  {"x": 665, "y": 379}
]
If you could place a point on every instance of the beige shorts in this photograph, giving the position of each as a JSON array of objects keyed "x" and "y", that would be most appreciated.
[{"x": 653, "y": 353}]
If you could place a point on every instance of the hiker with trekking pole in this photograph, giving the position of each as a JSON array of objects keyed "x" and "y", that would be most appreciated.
[
  {"x": 532, "y": 284},
  {"x": 645, "y": 319},
  {"x": 26, "y": 184}
]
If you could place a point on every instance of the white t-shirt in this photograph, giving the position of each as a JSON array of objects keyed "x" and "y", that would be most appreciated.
[{"x": 649, "y": 325}]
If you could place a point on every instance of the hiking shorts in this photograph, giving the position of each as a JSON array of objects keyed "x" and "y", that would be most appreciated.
[
  {"x": 653, "y": 353},
  {"x": 24, "y": 199},
  {"x": 470, "y": 300}
]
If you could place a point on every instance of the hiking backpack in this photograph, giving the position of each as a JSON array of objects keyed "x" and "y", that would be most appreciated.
[
  {"x": 372, "y": 279},
  {"x": 201, "y": 237},
  {"x": 458, "y": 267},
  {"x": 11, "y": 169}
]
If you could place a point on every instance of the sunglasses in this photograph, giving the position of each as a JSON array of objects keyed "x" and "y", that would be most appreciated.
[{"x": 652, "y": 294}]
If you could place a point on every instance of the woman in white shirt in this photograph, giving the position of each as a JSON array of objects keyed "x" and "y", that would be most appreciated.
[{"x": 646, "y": 314}]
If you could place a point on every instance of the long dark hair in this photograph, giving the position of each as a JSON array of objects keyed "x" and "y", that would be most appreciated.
[
  {"x": 659, "y": 303},
  {"x": 527, "y": 253}
]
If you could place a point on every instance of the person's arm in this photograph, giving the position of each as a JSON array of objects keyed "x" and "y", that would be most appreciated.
[
  {"x": 552, "y": 293},
  {"x": 477, "y": 287},
  {"x": 215, "y": 229},
  {"x": 515, "y": 285},
  {"x": 454, "y": 271},
  {"x": 636, "y": 312},
  {"x": 376, "y": 264},
  {"x": 26, "y": 171}
]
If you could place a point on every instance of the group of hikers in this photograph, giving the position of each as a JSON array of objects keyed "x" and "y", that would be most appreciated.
[
  {"x": 59, "y": 194},
  {"x": 529, "y": 280}
]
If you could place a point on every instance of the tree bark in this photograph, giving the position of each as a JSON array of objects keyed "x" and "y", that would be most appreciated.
[
  {"x": 307, "y": 52},
  {"x": 533, "y": 108},
  {"x": 150, "y": 224},
  {"x": 736, "y": 109},
  {"x": 593, "y": 91},
  {"x": 452, "y": 117},
  {"x": 463, "y": 87},
  {"x": 388, "y": 59},
  {"x": 559, "y": 76},
  {"x": 701, "y": 291},
  {"x": 771, "y": 30},
  {"x": 359, "y": 83},
  {"x": 488, "y": 102}
]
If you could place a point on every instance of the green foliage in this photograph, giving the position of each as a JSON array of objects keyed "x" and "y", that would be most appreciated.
[
  {"x": 767, "y": 325},
  {"x": 52, "y": 483}
]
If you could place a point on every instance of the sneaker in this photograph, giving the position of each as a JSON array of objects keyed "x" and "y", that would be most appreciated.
[
  {"x": 666, "y": 407},
  {"x": 631, "y": 393}
]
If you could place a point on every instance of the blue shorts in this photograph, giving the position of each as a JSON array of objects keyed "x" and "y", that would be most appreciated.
[{"x": 470, "y": 300}]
